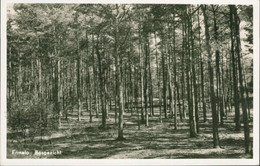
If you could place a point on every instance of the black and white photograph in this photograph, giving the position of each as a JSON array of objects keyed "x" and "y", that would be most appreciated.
[{"x": 129, "y": 80}]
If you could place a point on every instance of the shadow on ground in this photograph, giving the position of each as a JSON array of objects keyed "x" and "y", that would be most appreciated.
[{"x": 84, "y": 140}]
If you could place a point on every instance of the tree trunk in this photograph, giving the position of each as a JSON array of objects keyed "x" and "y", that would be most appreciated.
[
  {"x": 189, "y": 94},
  {"x": 245, "y": 118},
  {"x": 195, "y": 94},
  {"x": 102, "y": 88},
  {"x": 234, "y": 70},
  {"x": 202, "y": 75},
  {"x": 164, "y": 80},
  {"x": 146, "y": 84},
  {"x": 219, "y": 91},
  {"x": 141, "y": 76},
  {"x": 211, "y": 74},
  {"x": 158, "y": 80}
]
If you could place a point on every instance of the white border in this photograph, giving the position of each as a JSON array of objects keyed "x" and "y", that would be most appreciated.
[{"x": 254, "y": 161}]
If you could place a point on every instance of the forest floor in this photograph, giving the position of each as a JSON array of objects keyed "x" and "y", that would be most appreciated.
[{"x": 84, "y": 140}]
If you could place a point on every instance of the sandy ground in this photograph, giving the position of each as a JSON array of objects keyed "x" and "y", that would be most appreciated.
[{"x": 84, "y": 140}]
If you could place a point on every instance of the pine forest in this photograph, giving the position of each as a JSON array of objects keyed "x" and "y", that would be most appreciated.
[{"x": 92, "y": 81}]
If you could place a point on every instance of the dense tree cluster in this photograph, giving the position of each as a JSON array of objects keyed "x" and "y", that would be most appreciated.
[{"x": 186, "y": 60}]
